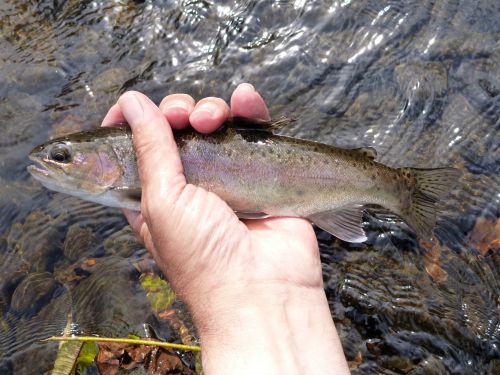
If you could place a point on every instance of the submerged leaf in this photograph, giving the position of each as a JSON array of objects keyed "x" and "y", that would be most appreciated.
[
  {"x": 87, "y": 355},
  {"x": 66, "y": 358},
  {"x": 158, "y": 292},
  {"x": 74, "y": 357},
  {"x": 431, "y": 259},
  {"x": 114, "y": 356},
  {"x": 485, "y": 236},
  {"x": 357, "y": 360},
  {"x": 68, "y": 353}
]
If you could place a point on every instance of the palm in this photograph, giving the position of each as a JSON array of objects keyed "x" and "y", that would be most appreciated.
[
  {"x": 225, "y": 251},
  {"x": 290, "y": 245}
]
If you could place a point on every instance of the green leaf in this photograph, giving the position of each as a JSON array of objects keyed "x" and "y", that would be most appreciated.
[
  {"x": 158, "y": 292},
  {"x": 86, "y": 357}
]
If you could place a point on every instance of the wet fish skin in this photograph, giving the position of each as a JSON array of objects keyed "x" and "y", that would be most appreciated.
[{"x": 256, "y": 172}]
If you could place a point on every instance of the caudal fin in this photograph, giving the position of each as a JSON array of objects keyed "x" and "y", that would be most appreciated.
[{"x": 431, "y": 185}]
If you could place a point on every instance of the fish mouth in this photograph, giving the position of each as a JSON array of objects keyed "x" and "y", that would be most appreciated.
[{"x": 37, "y": 170}]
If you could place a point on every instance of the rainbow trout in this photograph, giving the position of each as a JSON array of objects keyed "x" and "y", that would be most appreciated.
[{"x": 256, "y": 172}]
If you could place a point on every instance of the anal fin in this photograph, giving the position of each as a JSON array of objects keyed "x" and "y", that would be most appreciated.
[
  {"x": 251, "y": 215},
  {"x": 344, "y": 222}
]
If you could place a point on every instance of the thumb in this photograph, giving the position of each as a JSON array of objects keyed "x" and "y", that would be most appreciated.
[{"x": 158, "y": 160}]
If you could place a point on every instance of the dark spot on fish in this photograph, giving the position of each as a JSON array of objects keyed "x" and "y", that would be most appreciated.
[
  {"x": 365, "y": 167},
  {"x": 374, "y": 177},
  {"x": 302, "y": 158},
  {"x": 488, "y": 87},
  {"x": 300, "y": 192}
]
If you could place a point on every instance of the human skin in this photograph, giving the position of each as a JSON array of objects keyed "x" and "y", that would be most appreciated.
[{"x": 254, "y": 287}]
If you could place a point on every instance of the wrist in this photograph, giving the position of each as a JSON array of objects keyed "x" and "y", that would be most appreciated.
[
  {"x": 270, "y": 329},
  {"x": 227, "y": 304}
]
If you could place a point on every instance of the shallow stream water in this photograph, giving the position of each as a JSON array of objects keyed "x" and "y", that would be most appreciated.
[{"x": 419, "y": 80}]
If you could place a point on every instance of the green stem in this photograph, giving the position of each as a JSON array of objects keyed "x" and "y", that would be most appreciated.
[{"x": 124, "y": 340}]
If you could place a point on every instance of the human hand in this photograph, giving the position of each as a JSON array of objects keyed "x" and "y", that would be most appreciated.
[
  {"x": 220, "y": 266},
  {"x": 196, "y": 239}
]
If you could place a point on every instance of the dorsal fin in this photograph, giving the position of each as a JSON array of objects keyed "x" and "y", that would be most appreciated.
[
  {"x": 369, "y": 152},
  {"x": 256, "y": 124}
]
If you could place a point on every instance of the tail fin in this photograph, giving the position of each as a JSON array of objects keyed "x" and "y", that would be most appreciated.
[{"x": 431, "y": 185}]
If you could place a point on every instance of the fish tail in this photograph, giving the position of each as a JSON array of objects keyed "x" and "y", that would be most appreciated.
[{"x": 430, "y": 186}]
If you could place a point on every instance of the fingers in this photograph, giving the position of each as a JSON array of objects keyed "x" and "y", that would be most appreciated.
[
  {"x": 246, "y": 102},
  {"x": 177, "y": 108},
  {"x": 209, "y": 114},
  {"x": 158, "y": 160},
  {"x": 206, "y": 116}
]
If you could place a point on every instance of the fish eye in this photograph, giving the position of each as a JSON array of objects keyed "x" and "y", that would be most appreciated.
[{"x": 60, "y": 153}]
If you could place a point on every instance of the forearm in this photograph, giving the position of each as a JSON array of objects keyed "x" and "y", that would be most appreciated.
[{"x": 275, "y": 330}]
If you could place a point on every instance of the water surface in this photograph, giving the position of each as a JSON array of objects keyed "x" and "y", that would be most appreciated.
[{"x": 417, "y": 80}]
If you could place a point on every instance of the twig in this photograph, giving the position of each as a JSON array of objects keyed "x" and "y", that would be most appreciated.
[{"x": 123, "y": 340}]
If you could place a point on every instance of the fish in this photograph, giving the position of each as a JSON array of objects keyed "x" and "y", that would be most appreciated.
[{"x": 256, "y": 172}]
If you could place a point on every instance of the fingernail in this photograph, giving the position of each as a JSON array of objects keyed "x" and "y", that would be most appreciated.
[
  {"x": 246, "y": 86},
  {"x": 212, "y": 109},
  {"x": 177, "y": 104},
  {"x": 131, "y": 108}
]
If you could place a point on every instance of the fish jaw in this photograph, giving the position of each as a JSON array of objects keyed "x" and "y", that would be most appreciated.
[
  {"x": 51, "y": 179},
  {"x": 56, "y": 180},
  {"x": 111, "y": 198},
  {"x": 44, "y": 175}
]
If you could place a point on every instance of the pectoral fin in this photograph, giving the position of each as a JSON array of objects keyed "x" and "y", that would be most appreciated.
[
  {"x": 344, "y": 223},
  {"x": 128, "y": 198}
]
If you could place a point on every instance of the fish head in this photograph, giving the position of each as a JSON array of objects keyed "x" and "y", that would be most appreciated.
[{"x": 76, "y": 167}]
